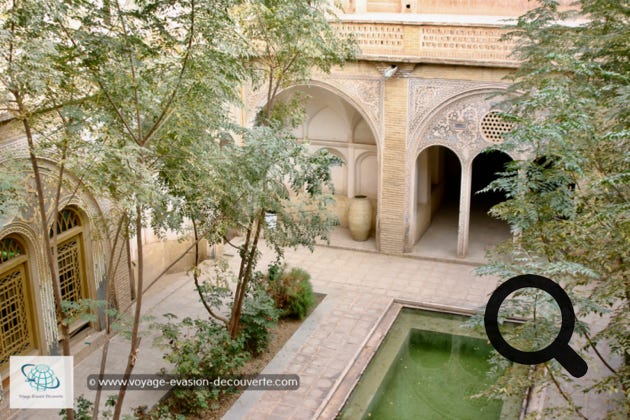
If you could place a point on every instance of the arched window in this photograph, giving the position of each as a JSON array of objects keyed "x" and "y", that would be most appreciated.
[
  {"x": 67, "y": 219},
  {"x": 17, "y": 321},
  {"x": 70, "y": 259}
]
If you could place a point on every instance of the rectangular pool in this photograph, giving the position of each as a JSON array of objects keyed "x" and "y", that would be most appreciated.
[{"x": 427, "y": 367}]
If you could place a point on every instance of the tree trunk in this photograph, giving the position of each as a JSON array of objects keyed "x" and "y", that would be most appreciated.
[
  {"x": 135, "y": 340},
  {"x": 51, "y": 262},
  {"x": 196, "y": 279},
  {"x": 240, "y": 296},
  {"x": 110, "y": 297}
]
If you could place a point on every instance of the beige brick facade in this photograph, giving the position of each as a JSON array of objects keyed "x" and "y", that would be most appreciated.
[
  {"x": 394, "y": 178},
  {"x": 422, "y": 81}
]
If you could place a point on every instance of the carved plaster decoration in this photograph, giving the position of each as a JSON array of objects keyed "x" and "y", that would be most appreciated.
[
  {"x": 366, "y": 91},
  {"x": 425, "y": 95},
  {"x": 459, "y": 126},
  {"x": 456, "y": 123}
]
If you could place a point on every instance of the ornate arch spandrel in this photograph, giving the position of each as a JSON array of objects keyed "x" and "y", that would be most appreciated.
[
  {"x": 363, "y": 93},
  {"x": 425, "y": 95},
  {"x": 456, "y": 123}
]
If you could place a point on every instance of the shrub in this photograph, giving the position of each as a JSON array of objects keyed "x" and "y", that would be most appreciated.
[
  {"x": 292, "y": 292},
  {"x": 200, "y": 348},
  {"x": 275, "y": 271},
  {"x": 259, "y": 315},
  {"x": 83, "y": 410}
]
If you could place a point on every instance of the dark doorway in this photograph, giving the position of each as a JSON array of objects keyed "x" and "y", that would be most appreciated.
[
  {"x": 485, "y": 168},
  {"x": 452, "y": 177},
  {"x": 485, "y": 231}
]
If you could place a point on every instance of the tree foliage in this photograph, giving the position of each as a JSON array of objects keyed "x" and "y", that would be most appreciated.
[
  {"x": 162, "y": 74},
  {"x": 270, "y": 171},
  {"x": 568, "y": 200},
  {"x": 289, "y": 40},
  {"x": 103, "y": 87},
  {"x": 133, "y": 98}
]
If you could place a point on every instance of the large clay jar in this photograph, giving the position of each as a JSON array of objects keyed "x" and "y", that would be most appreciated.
[{"x": 360, "y": 218}]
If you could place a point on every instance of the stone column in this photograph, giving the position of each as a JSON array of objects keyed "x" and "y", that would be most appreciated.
[
  {"x": 463, "y": 227},
  {"x": 351, "y": 174},
  {"x": 394, "y": 217}
]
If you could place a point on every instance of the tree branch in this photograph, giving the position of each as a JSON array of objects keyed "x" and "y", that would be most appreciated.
[
  {"x": 170, "y": 100},
  {"x": 196, "y": 278},
  {"x": 564, "y": 395}
]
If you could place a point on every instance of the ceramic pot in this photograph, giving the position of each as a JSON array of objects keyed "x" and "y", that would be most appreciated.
[{"x": 360, "y": 218}]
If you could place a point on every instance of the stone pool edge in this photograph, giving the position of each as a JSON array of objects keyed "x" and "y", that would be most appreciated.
[{"x": 343, "y": 387}]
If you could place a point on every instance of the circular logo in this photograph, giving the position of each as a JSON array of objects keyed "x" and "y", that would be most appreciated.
[{"x": 40, "y": 377}]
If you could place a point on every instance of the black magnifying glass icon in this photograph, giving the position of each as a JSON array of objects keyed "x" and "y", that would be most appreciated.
[{"x": 559, "y": 349}]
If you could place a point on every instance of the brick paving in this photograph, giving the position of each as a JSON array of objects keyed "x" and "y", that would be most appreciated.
[{"x": 359, "y": 286}]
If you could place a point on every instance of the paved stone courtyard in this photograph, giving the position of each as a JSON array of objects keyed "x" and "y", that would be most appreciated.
[{"x": 359, "y": 287}]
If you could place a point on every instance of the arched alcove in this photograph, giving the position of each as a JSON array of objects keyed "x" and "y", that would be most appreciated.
[
  {"x": 366, "y": 175},
  {"x": 339, "y": 173},
  {"x": 333, "y": 123},
  {"x": 467, "y": 122}
]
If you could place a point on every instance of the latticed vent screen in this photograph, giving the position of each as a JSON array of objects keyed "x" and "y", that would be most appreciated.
[
  {"x": 493, "y": 126},
  {"x": 15, "y": 337}
]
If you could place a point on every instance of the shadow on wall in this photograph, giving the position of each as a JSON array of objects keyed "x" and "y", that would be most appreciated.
[{"x": 159, "y": 254}]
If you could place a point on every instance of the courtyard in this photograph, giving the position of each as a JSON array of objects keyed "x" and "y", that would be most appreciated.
[
  {"x": 181, "y": 157},
  {"x": 360, "y": 286}
]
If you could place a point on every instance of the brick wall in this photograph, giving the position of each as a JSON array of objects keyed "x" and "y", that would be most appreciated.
[{"x": 394, "y": 180}]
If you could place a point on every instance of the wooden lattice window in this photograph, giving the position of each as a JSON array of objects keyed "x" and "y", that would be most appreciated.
[
  {"x": 494, "y": 126},
  {"x": 16, "y": 316},
  {"x": 72, "y": 280},
  {"x": 71, "y": 270}
]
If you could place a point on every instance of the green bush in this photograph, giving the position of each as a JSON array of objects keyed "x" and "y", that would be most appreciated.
[
  {"x": 275, "y": 271},
  {"x": 259, "y": 315},
  {"x": 200, "y": 348},
  {"x": 292, "y": 292},
  {"x": 84, "y": 409}
]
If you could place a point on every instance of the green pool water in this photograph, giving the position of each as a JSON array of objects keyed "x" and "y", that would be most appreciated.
[{"x": 427, "y": 367}]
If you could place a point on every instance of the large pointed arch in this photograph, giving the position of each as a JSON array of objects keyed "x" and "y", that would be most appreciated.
[{"x": 337, "y": 121}]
